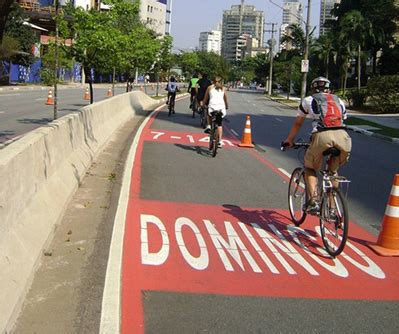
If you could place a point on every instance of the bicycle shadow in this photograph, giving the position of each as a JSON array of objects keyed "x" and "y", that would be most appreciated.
[
  {"x": 267, "y": 219},
  {"x": 201, "y": 150}
]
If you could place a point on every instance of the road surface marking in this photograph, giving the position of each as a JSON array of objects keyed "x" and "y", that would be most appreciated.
[
  {"x": 278, "y": 119},
  {"x": 282, "y": 170},
  {"x": 235, "y": 133},
  {"x": 15, "y": 94},
  {"x": 110, "y": 311}
]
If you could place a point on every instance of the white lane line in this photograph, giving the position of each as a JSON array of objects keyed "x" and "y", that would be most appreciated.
[
  {"x": 15, "y": 94},
  {"x": 41, "y": 99},
  {"x": 175, "y": 137},
  {"x": 282, "y": 170},
  {"x": 2, "y": 112},
  {"x": 110, "y": 310},
  {"x": 278, "y": 119},
  {"x": 235, "y": 132}
]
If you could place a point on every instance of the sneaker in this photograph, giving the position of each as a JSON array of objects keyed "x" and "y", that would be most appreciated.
[
  {"x": 173, "y": 112},
  {"x": 220, "y": 144},
  {"x": 207, "y": 129},
  {"x": 313, "y": 208}
]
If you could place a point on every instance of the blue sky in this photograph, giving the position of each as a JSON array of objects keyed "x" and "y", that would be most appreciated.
[{"x": 190, "y": 17}]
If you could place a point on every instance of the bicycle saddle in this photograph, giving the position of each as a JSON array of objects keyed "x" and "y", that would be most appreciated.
[{"x": 332, "y": 151}]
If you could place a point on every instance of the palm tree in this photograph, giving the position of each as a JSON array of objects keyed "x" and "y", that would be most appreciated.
[
  {"x": 354, "y": 30},
  {"x": 296, "y": 38},
  {"x": 322, "y": 49}
]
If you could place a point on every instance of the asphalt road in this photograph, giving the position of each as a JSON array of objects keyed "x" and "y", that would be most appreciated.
[
  {"x": 24, "y": 110},
  {"x": 206, "y": 238}
]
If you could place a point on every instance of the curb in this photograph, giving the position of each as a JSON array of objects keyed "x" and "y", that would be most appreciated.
[
  {"x": 351, "y": 127},
  {"x": 372, "y": 134}
]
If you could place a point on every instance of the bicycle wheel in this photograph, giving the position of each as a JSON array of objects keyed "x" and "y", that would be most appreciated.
[
  {"x": 171, "y": 103},
  {"x": 334, "y": 222},
  {"x": 194, "y": 107},
  {"x": 211, "y": 136},
  {"x": 202, "y": 117},
  {"x": 297, "y": 196},
  {"x": 215, "y": 141}
]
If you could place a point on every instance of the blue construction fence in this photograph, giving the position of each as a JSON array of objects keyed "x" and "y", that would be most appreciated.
[{"x": 31, "y": 74}]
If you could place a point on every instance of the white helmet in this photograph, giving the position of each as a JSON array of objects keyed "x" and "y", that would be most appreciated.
[{"x": 320, "y": 84}]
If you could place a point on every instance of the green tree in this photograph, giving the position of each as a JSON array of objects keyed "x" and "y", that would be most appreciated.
[
  {"x": 25, "y": 37},
  {"x": 189, "y": 63},
  {"x": 321, "y": 51}
]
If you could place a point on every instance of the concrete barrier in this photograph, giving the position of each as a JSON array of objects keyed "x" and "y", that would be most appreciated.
[{"x": 39, "y": 173}]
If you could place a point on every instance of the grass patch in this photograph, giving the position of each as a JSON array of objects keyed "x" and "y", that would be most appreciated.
[{"x": 383, "y": 130}]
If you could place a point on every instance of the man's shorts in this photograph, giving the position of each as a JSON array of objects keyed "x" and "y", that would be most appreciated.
[{"x": 323, "y": 140}]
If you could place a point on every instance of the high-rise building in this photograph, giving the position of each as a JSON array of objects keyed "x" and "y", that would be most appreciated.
[
  {"x": 210, "y": 41},
  {"x": 239, "y": 20},
  {"x": 292, "y": 14},
  {"x": 326, "y": 6},
  {"x": 154, "y": 14}
]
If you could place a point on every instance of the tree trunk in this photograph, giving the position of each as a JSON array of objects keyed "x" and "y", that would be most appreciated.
[
  {"x": 327, "y": 64},
  {"x": 345, "y": 76},
  {"x": 374, "y": 61},
  {"x": 90, "y": 79},
  {"x": 359, "y": 74}
]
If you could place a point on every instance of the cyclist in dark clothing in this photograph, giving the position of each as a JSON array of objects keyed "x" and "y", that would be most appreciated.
[{"x": 201, "y": 87}]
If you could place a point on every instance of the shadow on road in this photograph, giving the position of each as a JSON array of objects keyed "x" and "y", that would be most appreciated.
[
  {"x": 40, "y": 121},
  {"x": 198, "y": 149},
  {"x": 273, "y": 222}
]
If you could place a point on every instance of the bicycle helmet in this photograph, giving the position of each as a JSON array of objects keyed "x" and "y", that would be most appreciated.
[{"x": 320, "y": 84}]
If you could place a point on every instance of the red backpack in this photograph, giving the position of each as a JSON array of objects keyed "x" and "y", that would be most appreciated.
[{"x": 328, "y": 107}]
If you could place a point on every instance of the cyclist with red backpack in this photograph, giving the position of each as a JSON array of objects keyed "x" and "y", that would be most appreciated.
[{"x": 328, "y": 113}]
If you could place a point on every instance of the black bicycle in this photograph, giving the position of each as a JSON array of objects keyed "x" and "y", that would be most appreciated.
[
  {"x": 214, "y": 133},
  {"x": 171, "y": 105},
  {"x": 202, "y": 110},
  {"x": 333, "y": 214},
  {"x": 194, "y": 106}
]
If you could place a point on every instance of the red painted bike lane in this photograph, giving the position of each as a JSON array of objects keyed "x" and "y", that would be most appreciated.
[{"x": 231, "y": 250}]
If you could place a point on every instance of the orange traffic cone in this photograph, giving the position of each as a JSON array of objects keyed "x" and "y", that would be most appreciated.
[
  {"x": 109, "y": 93},
  {"x": 87, "y": 94},
  {"x": 388, "y": 240},
  {"x": 50, "y": 100},
  {"x": 246, "y": 140}
]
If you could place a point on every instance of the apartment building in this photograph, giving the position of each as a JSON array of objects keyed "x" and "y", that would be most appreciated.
[
  {"x": 239, "y": 20},
  {"x": 326, "y": 6},
  {"x": 292, "y": 14},
  {"x": 210, "y": 41}
]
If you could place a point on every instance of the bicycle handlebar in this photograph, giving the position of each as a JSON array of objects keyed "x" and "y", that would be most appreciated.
[{"x": 295, "y": 146}]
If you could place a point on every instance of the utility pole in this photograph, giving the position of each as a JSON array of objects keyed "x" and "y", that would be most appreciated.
[
  {"x": 305, "y": 61},
  {"x": 271, "y": 57}
]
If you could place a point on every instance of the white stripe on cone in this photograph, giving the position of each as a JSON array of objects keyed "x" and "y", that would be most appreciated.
[{"x": 392, "y": 211}]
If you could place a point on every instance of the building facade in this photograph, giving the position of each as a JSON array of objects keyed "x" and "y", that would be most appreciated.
[
  {"x": 292, "y": 14},
  {"x": 240, "y": 20},
  {"x": 154, "y": 14},
  {"x": 326, "y": 6},
  {"x": 210, "y": 41}
]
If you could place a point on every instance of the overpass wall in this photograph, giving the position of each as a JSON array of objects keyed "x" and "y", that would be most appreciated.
[{"x": 39, "y": 174}]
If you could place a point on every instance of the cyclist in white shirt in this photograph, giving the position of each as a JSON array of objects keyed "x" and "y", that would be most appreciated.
[
  {"x": 216, "y": 99},
  {"x": 172, "y": 89}
]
